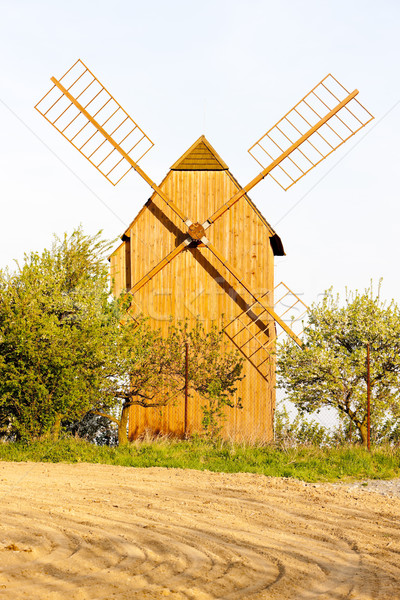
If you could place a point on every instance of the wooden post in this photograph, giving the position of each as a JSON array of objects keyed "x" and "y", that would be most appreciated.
[
  {"x": 368, "y": 400},
  {"x": 186, "y": 384}
]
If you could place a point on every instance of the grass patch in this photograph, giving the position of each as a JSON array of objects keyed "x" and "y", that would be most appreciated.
[{"x": 308, "y": 463}]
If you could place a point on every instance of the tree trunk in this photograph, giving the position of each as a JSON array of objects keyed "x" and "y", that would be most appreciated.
[
  {"x": 56, "y": 428},
  {"x": 122, "y": 425},
  {"x": 364, "y": 436}
]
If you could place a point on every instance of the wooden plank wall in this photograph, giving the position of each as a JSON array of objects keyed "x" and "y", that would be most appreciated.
[
  {"x": 194, "y": 285},
  {"x": 118, "y": 270}
]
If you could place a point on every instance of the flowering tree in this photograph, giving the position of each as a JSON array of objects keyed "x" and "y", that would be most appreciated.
[
  {"x": 58, "y": 334},
  {"x": 330, "y": 369},
  {"x": 152, "y": 371},
  {"x": 67, "y": 348}
]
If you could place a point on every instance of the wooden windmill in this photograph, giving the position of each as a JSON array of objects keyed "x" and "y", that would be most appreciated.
[{"x": 200, "y": 248}]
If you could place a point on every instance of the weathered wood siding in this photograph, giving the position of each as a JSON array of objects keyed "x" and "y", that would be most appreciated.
[{"x": 195, "y": 284}]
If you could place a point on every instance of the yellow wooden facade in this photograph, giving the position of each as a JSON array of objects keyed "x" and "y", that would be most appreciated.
[{"x": 196, "y": 285}]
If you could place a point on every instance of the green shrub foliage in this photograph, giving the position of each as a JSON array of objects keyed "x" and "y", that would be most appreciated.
[
  {"x": 67, "y": 349},
  {"x": 58, "y": 331}
]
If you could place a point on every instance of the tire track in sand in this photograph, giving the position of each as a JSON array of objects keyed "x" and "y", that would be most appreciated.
[{"x": 91, "y": 532}]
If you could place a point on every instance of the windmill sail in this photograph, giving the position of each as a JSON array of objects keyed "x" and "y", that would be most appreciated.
[
  {"x": 250, "y": 331},
  {"x": 86, "y": 114},
  {"x": 316, "y": 126}
]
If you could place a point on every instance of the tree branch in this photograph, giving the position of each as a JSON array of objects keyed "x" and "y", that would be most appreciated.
[{"x": 107, "y": 416}]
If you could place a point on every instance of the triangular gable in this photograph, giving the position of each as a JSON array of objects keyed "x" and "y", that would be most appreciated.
[
  {"x": 275, "y": 240},
  {"x": 201, "y": 156}
]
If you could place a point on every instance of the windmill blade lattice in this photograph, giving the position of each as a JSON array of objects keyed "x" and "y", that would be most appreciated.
[
  {"x": 78, "y": 100},
  {"x": 290, "y": 308},
  {"x": 250, "y": 331},
  {"x": 329, "y": 112}
]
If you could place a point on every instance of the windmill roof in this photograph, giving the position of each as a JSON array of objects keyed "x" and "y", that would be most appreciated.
[{"x": 201, "y": 156}]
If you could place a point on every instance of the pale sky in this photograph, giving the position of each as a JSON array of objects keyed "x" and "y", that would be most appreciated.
[{"x": 226, "y": 69}]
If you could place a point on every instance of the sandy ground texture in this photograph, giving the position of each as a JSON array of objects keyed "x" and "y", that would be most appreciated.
[{"x": 87, "y": 531}]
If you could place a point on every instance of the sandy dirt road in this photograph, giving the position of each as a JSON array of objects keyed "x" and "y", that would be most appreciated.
[{"x": 86, "y": 531}]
